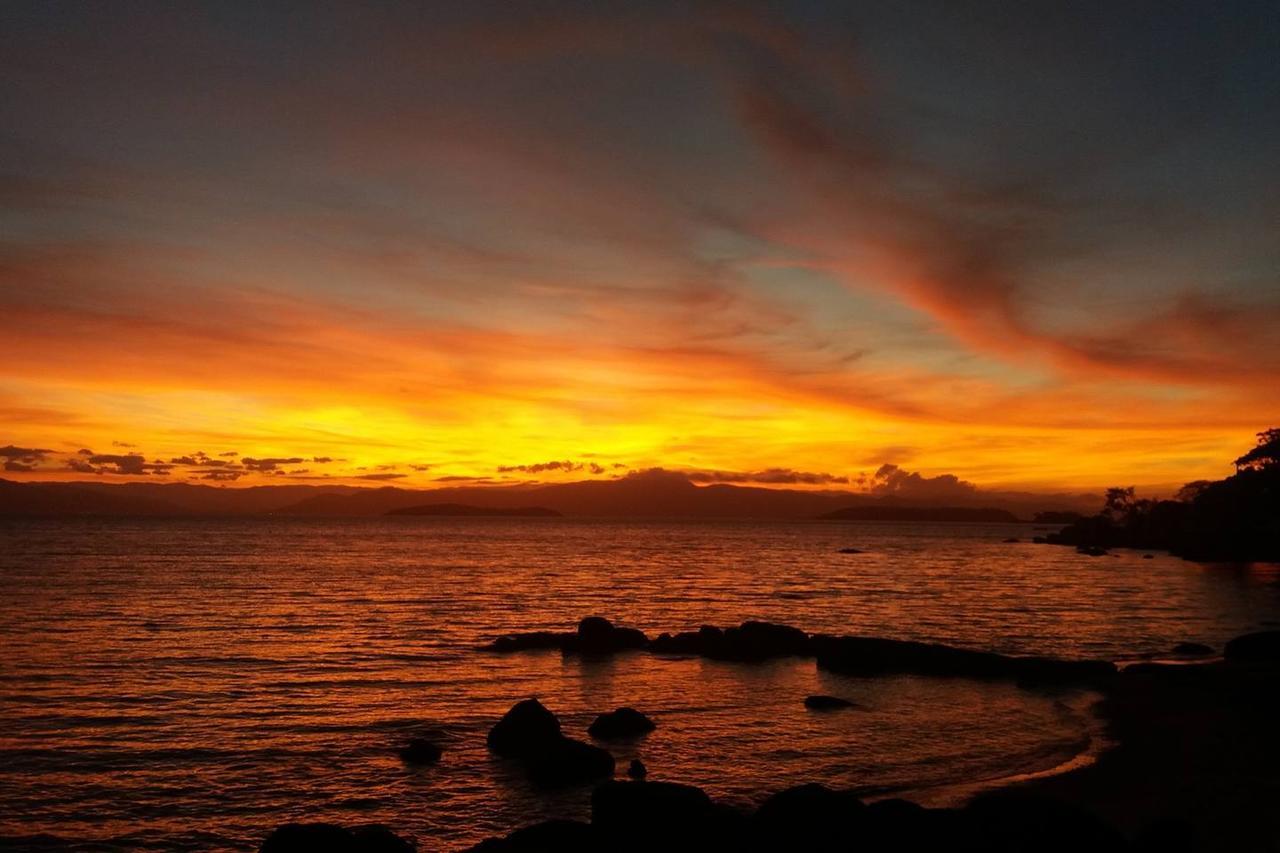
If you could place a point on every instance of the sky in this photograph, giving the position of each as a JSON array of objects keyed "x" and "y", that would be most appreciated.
[{"x": 1022, "y": 245}]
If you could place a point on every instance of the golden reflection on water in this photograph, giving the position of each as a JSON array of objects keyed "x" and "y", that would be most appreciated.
[{"x": 195, "y": 683}]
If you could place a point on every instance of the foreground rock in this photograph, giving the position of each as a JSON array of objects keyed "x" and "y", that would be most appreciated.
[
  {"x": 531, "y": 734},
  {"x": 622, "y": 723},
  {"x": 1263, "y": 647},
  {"x": 649, "y": 816},
  {"x": 331, "y": 838},
  {"x": 1192, "y": 649},
  {"x": 826, "y": 703},
  {"x": 750, "y": 641}
]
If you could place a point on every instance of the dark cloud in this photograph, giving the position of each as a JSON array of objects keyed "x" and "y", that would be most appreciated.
[
  {"x": 130, "y": 464},
  {"x": 769, "y": 476},
  {"x": 383, "y": 476},
  {"x": 22, "y": 458},
  {"x": 321, "y": 460},
  {"x": 122, "y": 444},
  {"x": 230, "y": 453},
  {"x": 539, "y": 467},
  {"x": 421, "y": 467},
  {"x": 270, "y": 463},
  {"x": 890, "y": 480},
  {"x": 227, "y": 476}
]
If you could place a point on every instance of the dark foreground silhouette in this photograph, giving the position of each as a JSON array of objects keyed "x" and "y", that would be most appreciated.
[
  {"x": 1231, "y": 520},
  {"x": 1195, "y": 770}
]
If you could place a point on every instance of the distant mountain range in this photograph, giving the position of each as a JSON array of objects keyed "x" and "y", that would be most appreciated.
[
  {"x": 464, "y": 510},
  {"x": 653, "y": 494}
]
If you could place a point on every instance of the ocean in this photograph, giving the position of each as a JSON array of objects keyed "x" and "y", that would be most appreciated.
[{"x": 189, "y": 684}]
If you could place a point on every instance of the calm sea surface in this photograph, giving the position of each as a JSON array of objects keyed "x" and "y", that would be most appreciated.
[{"x": 191, "y": 684}]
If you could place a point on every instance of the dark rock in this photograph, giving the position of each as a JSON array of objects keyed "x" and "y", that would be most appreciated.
[
  {"x": 896, "y": 824},
  {"x": 756, "y": 641},
  {"x": 527, "y": 727},
  {"x": 375, "y": 838},
  {"x": 1170, "y": 835},
  {"x": 876, "y": 656},
  {"x": 826, "y": 703},
  {"x": 1011, "y": 540},
  {"x": 809, "y": 817},
  {"x": 636, "y": 770},
  {"x": 532, "y": 641},
  {"x": 1197, "y": 649},
  {"x": 563, "y": 761},
  {"x": 1039, "y": 540},
  {"x": 1148, "y": 556},
  {"x": 622, "y": 723},
  {"x": 1263, "y": 646},
  {"x": 1091, "y": 550},
  {"x": 421, "y": 751},
  {"x": 1006, "y": 820},
  {"x": 309, "y": 838},
  {"x": 552, "y": 836},
  {"x": 597, "y": 635},
  {"x": 330, "y": 838},
  {"x": 850, "y": 551},
  {"x": 662, "y": 816}
]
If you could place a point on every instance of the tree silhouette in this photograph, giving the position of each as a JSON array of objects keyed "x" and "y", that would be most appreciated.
[{"x": 1265, "y": 455}]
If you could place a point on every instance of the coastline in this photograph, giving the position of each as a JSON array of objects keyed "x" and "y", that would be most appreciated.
[{"x": 1194, "y": 756}]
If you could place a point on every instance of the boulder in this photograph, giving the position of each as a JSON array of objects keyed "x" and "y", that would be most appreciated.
[
  {"x": 1009, "y": 820},
  {"x": 662, "y": 816},
  {"x": 850, "y": 551},
  {"x": 597, "y": 636},
  {"x": 552, "y": 836},
  {"x": 525, "y": 728},
  {"x": 809, "y": 817},
  {"x": 331, "y": 838},
  {"x": 564, "y": 761},
  {"x": 1192, "y": 649},
  {"x": 421, "y": 751},
  {"x": 622, "y": 723},
  {"x": 636, "y": 770},
  {"x": 826, "y": 703},
  {"x": 756, "y": 641},
  {"x": 1011, "y": 540},
  {"x": 1263, "y": 646}
]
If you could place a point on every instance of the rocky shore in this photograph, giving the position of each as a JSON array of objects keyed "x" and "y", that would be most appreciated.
[{"x": 1195, "y": 769}]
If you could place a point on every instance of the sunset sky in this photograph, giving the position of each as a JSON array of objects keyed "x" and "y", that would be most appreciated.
[{"x": 1031, "y": 247}]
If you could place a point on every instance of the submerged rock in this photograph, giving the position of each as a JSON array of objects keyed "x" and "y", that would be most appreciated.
[
  {"x": 331, "y": 838},
  {"x": 622, "y": 723},
  {"x": 1091, "y": 550},
  {"x": 850, "y": 551},
  {"x": 421, "y": 751},
  {"x": 826, "y": 703}
]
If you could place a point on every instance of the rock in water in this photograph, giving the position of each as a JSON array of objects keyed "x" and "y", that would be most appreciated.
[
  {"x": 421, "y": 751},
  {"x": 622, "y": 723},
  {"x": 637, "y": 770},
  {"x": 826, "y": 703},
  {"x": 849, "y": 551},
  {"x": 564, "y": 761},
  {"x": 1197, "y": 649},
  {"x": 526, "y": 727},
  {"x": 330, "y": 838}
]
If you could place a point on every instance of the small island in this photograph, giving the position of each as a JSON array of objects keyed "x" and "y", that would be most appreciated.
[{"x": 468, "y": 511}]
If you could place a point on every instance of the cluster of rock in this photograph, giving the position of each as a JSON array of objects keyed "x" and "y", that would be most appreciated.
[
  {"x": 758, "y": 641},
  {"x": 648, "y": 816},
  {"x": 531, "y": 734}
]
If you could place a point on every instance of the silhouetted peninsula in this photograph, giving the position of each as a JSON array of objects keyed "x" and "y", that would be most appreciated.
[{"x": 466, "y": 510}]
